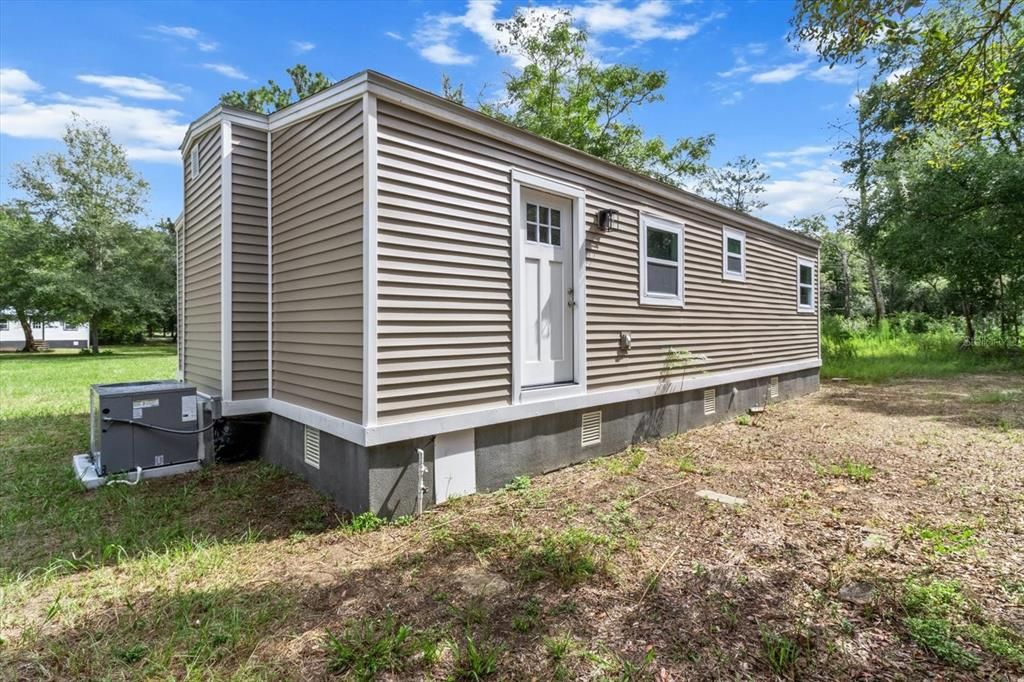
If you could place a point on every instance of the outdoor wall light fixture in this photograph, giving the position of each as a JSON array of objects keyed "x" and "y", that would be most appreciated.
[{"x": 606, "y": 219}]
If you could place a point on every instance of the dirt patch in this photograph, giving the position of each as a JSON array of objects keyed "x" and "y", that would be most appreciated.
[{"x": 599, "y": 571}]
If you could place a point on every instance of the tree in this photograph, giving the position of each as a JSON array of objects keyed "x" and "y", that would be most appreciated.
[
  {"x": 566, "y": 96},
  {"x": 841, "y": 264},
  {"x": 955, "y": 212},
  {"x": 736, "y": 184},
  {"x": 91, "y": 194},
  {"x": 33, "y": 263},
  {"x": 268, "y": 98},
  {"x": 958, "y": 65}
]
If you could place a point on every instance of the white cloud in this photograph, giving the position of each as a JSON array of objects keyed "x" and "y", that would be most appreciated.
[
  {"x": 806, "y": 150},
  {"x": 757, "y": 49},
  {"x": 780, "y": 74},
  {"x": 645, "y": 21},
  {"x": 393, "y": 35},
  {"x": 192, "y": 35},
  {"x": 148, "y": 134},
  {"x": 440, "y": 53},
  {"x": 130, "y": 86},
  {"x": 226, "y": 70},
  {"x": 896, "y": 75},
  {"x": 732, "y": 98},
  {"x": 437, "y": 35},
  {"x": 843, "y": 74},
  {"x": 815, "y": 190},
  {"x": 300, "y": 46}
]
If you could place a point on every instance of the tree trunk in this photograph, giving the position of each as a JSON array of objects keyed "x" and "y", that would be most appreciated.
[
  {"x": 969, "y": 326},
  {"x": 876, "y": 289},
  {"x": 94, "y": 334},
  {"x": 844, "y": 259},
  {"x": 26, "y": 328}
]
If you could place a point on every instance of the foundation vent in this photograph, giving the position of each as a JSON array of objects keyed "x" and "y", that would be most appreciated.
[
  {"x": 311, "y": 447},
  {"x": 709, "y": 401},
  {"x": 773, "y": 387},
  {"x": 591, "y": 428}
]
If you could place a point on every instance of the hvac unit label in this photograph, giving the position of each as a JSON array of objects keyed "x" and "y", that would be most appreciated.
[
  {"x": 188, "y": 408},
  {"x": 139, "y": 405}
]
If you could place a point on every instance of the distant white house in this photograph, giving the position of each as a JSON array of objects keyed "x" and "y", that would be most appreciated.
[{"x": 55, "y": 334}]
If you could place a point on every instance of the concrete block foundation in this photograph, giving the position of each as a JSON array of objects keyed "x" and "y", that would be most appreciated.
[{"x": 383, "y": 478}]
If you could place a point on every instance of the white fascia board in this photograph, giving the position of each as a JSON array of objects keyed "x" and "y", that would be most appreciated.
[
  {"x": 226, "y": 274},
  {"x": 217, "y": 115},
  {"x": 431, "y": 426},
  {"x": 340, "y": 93}
]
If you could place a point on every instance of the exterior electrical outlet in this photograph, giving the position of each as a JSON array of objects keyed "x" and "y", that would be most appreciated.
[{"x": 133, "y": 425}]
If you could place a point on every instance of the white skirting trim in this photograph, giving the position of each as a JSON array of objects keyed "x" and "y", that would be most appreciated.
[{"x": 418, "y": 428}]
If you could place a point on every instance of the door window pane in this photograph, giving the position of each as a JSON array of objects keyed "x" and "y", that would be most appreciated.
[
  {"x": 531, "y": 212},
  {"x": 531, "y": 232},
  {"x": 556, "y": 237},
  {"x": 556, "y": 218},
  {"x": 544, "y": 235}
]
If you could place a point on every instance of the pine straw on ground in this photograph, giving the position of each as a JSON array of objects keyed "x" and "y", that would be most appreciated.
[{"x": 611, "y": 569}]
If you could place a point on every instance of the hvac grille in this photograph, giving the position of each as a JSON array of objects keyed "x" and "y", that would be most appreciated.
[
  {"x": 311, "y": 447},
  {"x": 709, "y": 401},
  {"x": 591, "y": 429},
  {"x": 773, "y": 387}
]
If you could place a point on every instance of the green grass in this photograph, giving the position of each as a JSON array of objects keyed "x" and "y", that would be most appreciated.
[
  {"x": 858, "y": 472},
  {"x": 875, "y": 355},
  {"x": 950, "y": 538},
  {"x": 49, "y": 525},
  {"x": 942, "y": 619},
  {"x": 370, "y": 647}
]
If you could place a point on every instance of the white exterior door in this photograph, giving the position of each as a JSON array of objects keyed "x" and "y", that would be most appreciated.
[{"x": 547, "y": 298}]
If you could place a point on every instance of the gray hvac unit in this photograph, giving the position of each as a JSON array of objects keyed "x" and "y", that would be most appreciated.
[{"x": 141, "y": 427}]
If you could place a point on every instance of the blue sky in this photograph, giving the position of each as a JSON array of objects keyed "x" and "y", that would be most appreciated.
[{"x": 147, "y": 69}]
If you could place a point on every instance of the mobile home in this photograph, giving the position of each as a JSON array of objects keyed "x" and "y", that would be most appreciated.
[
  {"x": 49, "y": 334},
  {"x": 389, "y": 276}
]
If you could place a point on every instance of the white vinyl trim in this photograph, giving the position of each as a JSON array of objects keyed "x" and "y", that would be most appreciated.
[
  {"x": 369, "y": 259},
  {"x": 806, "y": 262},
  {"x": 741, "y": 236},
  {"x": 673, "y": 227},
  {"x": 226, "y": 274},
  {"x": 430, "y": 426},
  {"x": 270, "y": 266},
  {"x": 578, "y": 196}
]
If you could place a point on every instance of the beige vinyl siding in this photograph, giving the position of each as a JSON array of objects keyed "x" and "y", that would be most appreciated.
[
  {"x": 317, "y": 207},
  {"x": 444, "y": 278},
  {"x": 203, "y": 266},
  {"x": 249, "y": 262}
]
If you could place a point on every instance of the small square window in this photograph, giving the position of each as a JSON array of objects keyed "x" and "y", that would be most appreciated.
[
  {"x": 36, "y": 324},
  {"x": 734, "y": 254},
  {"x": 4, "y": 325},
  {"x": 805, "y": 285},
  {"x": 543, "y": 225},
  {"x": 661, "y": 262}
]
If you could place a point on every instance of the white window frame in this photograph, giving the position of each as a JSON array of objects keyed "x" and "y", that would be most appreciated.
[
  {"x": 801, "y": 261},
  {"x": 732, "y": 233},
  {"x": 193, "y": 164},
  {"x": 5, "y": 325},
  {"x": 664, "y": 225}
]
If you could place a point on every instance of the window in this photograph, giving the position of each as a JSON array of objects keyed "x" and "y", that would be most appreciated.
[
  {"x": 543, "y": 225},
  {"x": 70, "y": 327},
  {"x": 661, "y": 262},
  {"x": 193, "y": 165},
  {"x": 36, "y": 324},
  {"x": 734, "y": 254},
  {"x": 4, "y": 325},
  {"x": 804, "y": 285}
]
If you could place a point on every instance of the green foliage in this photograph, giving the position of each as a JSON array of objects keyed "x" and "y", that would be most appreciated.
[
  {"x": 268, "y": 98},
  {"x": 951, "y": 538},
  {"x": 366, "y": 522},
  {"x": 954, "y": 65},
  {"x": 106, "y": 270},
  {"x": 518, "y": 483},
  {"x": 32, "y": 276},
  {"x": 569, "y": 556},
  {"x": 565, "y": 95},
  {"x": 940, "y": 617},
  {"x": 744, "y": 420},
  {"x": 625, "y": 463},
  {"x": 370, "y": 647},
  {"x": 476, "y": 661},
  {"x": 903, "y": 346},
  {"x": 780, "y": 651},
  {"x": 736, "y": 184},
  {"x": 853, "y": 470}
]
